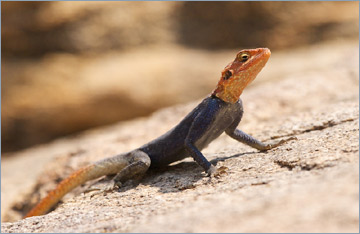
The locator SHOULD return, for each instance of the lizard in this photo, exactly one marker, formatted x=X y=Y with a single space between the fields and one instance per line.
x=219 y=112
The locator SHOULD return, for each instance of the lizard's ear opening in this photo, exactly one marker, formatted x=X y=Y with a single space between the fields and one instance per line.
x=227 y=74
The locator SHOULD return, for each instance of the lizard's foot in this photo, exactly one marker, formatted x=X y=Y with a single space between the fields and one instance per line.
x=271 y=146
x=113 y=185
x=216 y=172
x=211 y=171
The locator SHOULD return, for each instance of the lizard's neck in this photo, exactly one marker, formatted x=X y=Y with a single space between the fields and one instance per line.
x=230 y=94
x=221 y=100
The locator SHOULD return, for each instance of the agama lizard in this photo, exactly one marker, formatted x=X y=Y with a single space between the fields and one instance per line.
x=219 y=112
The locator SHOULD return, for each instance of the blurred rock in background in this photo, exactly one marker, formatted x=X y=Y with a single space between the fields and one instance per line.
x=70 y=66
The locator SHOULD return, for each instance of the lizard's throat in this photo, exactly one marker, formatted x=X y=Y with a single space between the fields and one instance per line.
x=231 y=90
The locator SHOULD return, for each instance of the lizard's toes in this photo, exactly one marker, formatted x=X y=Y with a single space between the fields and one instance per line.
x=105 y=189
x=217 y=172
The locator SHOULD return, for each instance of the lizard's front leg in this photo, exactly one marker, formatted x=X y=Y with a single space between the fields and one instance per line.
x=199 y=157
x=251 y=141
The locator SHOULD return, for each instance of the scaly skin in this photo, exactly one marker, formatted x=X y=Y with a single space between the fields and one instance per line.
x=220 y=112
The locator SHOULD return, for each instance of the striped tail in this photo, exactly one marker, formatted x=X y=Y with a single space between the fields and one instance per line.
x=65 y=186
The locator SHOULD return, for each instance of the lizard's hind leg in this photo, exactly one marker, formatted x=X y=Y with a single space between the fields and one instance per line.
x=139 y=164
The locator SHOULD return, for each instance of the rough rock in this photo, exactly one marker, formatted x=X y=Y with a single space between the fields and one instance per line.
x=306 y=185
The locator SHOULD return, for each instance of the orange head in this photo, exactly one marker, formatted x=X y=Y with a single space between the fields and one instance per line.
x=239 y=73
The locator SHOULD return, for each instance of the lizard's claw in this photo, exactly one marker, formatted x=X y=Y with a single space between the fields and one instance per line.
x=105 y=189
x=216 y=172
x=271 y=146
x=211 y=171
x=116 y=185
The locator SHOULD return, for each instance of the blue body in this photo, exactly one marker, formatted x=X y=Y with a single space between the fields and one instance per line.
x=205 y=123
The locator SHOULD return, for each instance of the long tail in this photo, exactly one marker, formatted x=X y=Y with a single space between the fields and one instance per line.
x=104 y=167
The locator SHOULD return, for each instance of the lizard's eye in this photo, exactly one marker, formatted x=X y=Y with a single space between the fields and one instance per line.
x=227 y=75
x=244 y=57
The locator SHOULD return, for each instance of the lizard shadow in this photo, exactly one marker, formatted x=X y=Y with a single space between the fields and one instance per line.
x=181 y=176
x=173 y=178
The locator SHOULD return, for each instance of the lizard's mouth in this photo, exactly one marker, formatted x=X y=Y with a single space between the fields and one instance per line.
x=243 y=73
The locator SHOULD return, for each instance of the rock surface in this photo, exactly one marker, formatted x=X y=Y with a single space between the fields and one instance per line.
x=306 y=185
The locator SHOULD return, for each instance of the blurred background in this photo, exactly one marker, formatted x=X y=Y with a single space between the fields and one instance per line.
x=71 y=66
